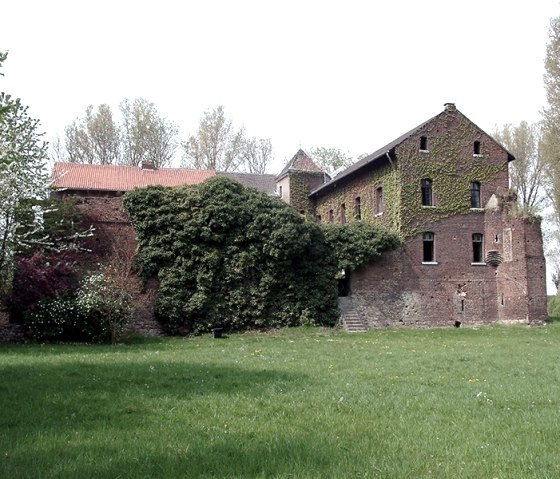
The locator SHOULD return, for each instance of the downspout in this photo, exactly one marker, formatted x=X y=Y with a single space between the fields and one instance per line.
x=397 y=214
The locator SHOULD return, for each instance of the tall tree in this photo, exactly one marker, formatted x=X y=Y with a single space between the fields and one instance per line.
x=95 y=138
x=142 y=135
x=257 y=155
x=146 y=135
x=331 y=159
x=22 y=175
x=217 y=144
x=527 y=171
x=551 y=145
x=551 y=117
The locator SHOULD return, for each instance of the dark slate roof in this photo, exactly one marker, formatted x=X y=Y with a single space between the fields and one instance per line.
x=300 y=162
x=382 y=153
x=265 y=183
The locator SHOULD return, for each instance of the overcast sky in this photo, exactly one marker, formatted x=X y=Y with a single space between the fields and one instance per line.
x=347 y=74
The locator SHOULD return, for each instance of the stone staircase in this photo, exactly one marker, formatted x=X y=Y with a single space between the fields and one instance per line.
x=352 y=321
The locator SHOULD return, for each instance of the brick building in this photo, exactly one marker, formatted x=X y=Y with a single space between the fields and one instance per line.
x=466 y=257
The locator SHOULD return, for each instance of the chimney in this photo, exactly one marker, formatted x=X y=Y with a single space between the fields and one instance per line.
x=450 y=107
x=147 y=165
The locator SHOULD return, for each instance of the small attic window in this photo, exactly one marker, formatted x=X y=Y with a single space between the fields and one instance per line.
x=423 y=143
x=476 y=148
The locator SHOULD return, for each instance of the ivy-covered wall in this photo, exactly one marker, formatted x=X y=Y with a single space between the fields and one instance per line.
x=450 y=162
x=300 y=184
x=388 y=177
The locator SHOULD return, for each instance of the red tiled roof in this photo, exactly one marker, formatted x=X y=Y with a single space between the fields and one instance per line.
x=78 y=176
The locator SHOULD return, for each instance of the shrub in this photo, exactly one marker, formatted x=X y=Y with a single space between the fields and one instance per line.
x=358 y=243
x=56 y=318
x=39 y=277
x=97 y=313
x=104 y=305
x=232 y=257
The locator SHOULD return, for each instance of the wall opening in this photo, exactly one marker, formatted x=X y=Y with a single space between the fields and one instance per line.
x=426 y=187
x=428 y=240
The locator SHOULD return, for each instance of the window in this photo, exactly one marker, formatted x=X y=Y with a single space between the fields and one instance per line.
x=343 y=213
x=428 y=254
x=358 y=208
x=476 y=148
x=331 y=216
x=475 y=194
x=478 y=256
x=426 y=185
x=379 y=200
x=318 y=218
x=280 y=191
x=423 y=143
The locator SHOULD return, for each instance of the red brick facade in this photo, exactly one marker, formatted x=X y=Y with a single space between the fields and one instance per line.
x=465 y=259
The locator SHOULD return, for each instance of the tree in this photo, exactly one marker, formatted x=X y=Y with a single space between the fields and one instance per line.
x=146 y=135
x=331 y=159
x=22 y=177
x=551 y=140
x=218 y=145
x=94 y=139
x=142 y=135
x=257 y=155
x=527 y=171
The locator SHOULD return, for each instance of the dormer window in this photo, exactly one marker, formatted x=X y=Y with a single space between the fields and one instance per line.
x=423 y=143
x=476 y=148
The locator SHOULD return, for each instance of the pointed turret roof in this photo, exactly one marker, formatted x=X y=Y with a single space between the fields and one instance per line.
x=300 y=162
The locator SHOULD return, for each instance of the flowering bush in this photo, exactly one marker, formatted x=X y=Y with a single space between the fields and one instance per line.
x=56 y=318
x=104 y=303
x=97 y=312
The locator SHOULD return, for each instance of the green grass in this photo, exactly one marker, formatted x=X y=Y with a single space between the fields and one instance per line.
x=302 y=403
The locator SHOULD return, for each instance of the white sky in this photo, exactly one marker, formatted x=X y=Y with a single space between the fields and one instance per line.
x=352 y=75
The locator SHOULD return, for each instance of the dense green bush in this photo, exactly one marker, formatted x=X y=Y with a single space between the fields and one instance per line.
x=232 y=257
x=357 y=244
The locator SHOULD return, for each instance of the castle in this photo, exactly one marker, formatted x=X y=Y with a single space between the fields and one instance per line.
x=467 y=258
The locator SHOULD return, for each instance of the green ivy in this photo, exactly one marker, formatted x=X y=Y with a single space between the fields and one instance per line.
x=358 y=243
x=227 y=256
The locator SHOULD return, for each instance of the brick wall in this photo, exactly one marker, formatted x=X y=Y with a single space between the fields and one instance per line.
x=401 y=290
x=114 y=242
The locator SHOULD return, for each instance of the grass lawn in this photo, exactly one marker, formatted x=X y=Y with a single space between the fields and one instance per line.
x=300 y=403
